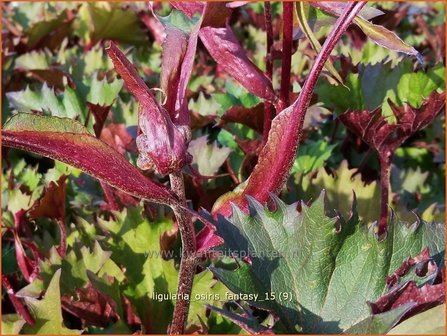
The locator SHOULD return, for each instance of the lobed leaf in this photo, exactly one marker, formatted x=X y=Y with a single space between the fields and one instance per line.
x=48 y=311
x=68 y=141
x=417 y=281
x=328 y=267
x=374 y=129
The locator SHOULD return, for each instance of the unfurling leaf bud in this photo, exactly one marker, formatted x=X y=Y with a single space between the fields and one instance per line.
x=162 y=145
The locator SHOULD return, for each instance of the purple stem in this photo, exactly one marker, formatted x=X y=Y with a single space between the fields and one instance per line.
x=286 y=54
x=263 y=182
x=268 y=107
x=189 y=258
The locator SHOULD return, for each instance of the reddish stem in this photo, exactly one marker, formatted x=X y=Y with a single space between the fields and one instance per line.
x=286 y=54
x=262 y=182
x=231 y=172
x=62 y=248
x=109 y=196
x=268 y=107
x=189 y=259
x=16 y=302
x=385 y=167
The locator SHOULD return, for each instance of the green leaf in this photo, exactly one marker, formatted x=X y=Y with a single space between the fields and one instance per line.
x=312 y=156
x=381 y=323
x=75 y=267
x=103 y=92
x=384 y=37
x=44 y=100
x=135 y=245
x=430 y=322
x=12 y=324
x=207 y=157
x=373 y=85
x=246 y=320
x=48 y=312
x=41 y=29
x=179 y=20
x=301 y=10
x=318 y=269
x=104 y=21
x=34 y=60
x=414 y=87
x=339 y=191
x=204 y=106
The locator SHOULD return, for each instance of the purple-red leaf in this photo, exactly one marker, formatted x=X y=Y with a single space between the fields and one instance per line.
x=27 y=266
x=117 y=137
x=181 y=116
x=224 y=47
x=100 y=113
x=174 y=49
x=68 y=141
x=179 y=49
x=52 y=205
x=206 y=239
x=374 y=129
x=189 y=8
x=213 y=13
x=162 y=145
x=276 y=158
x=21 y=309
x=404 y=288
x=91 y=306
x=252 y=117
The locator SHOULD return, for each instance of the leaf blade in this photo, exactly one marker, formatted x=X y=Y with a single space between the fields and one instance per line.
x=384 y=37
x=67 y=141
x=329 y=269
x=224 y=47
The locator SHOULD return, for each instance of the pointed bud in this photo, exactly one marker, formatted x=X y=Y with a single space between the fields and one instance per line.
x=162 y=145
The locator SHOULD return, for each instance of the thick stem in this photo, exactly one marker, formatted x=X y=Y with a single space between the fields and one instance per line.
x=189 y=260
x=385 y=167
x=269 y=33
x=264 y=181
x=268 y=107
x=186 y=278
x=286 y=54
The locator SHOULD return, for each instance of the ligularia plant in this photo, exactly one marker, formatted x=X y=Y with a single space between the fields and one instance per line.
x=329 y=263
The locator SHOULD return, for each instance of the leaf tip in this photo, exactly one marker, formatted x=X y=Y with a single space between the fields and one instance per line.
x=420 y=58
